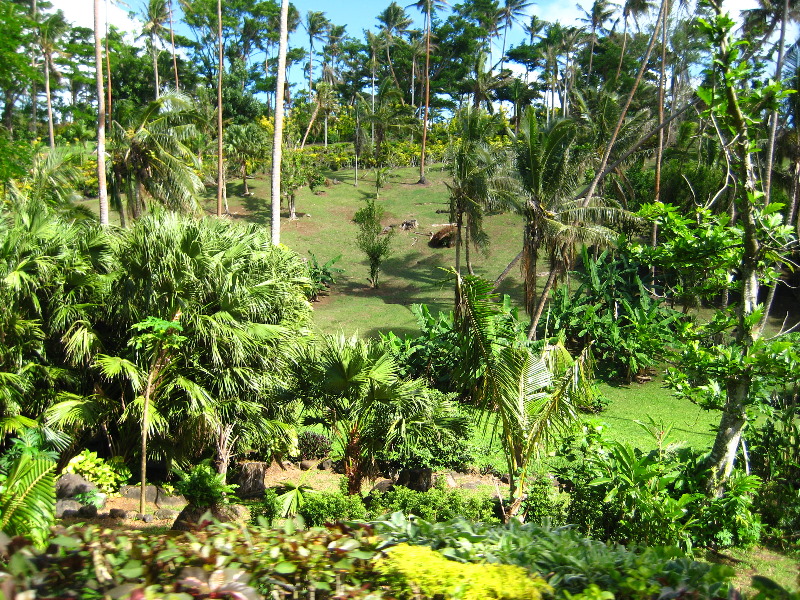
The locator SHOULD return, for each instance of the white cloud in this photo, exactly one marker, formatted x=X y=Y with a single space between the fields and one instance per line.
x=81 y=13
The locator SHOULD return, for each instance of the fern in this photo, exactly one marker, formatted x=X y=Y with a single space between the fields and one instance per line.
x=28 y=497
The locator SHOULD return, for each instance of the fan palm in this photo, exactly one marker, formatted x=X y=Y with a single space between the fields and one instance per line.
x=367 y=405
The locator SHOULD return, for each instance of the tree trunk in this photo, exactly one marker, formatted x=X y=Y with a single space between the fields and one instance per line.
x=542 y=301
x=102 y=186
x=610 y=146
x=459 y=223
x=47 y=59
x=155 y=70
x=467 y=259
x=220 y=66
x=310 y=125
x=174 y=55
x=507 y=270
x=422 y=179
x=622 y=52
x=277 y=138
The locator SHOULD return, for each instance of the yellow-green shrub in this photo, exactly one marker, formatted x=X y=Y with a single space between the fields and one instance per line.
x=418 y=571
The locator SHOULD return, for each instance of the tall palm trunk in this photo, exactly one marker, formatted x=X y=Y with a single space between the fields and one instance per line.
x=773 y=132
x=174 y=55
x=220 y=163
x=660 y=147
x=102 y=187
x=622 y=52
x=277 y=138
x=108 y=76
x=155 y=70
x=422 y=179
x=47 y=59
x=610 y=146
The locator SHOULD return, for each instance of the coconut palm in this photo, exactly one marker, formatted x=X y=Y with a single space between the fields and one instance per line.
x=631 y=9
x=102 y=186
x=481 y=176
x=427 y=6
x=550 y=168
x=50 y=34
x=316 y=25
x=511 y=12
x=533 y=407
x=277 y=138
x=394 y=21
x=156 y=16
x=150 y=155
x=596 y=17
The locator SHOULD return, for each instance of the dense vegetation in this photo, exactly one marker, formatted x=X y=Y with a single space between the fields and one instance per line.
x=652 y=170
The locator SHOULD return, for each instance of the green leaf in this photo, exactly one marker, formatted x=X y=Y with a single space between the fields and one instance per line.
x=285 y=568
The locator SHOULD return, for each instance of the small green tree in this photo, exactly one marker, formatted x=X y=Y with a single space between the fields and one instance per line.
x=372 y=239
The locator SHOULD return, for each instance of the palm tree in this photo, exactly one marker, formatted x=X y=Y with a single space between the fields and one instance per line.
x=427 y=6
x=277 y=139
x=596 y=17
x=533 y=407
x=316 y=24
x=102 y=186
x=51 y=30
x=365 y=402
x=394 y=21
x=555 y=221
x=196 y=317
x=511 y=12
x=631 y=8
x=157 y=14
x=481 y=175
x=220 y=70
x=150 y=153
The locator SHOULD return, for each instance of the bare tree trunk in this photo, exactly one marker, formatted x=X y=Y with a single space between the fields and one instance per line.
x=225 y=442
x=422 y=179
x=277 y=138
x=310 y=125
x=610 y=146
x=109 y=115
x=50 y=132
x=459 y=223
x=507 y=270
x=155 y=71
x=542 y=301
x=220 y=66
x=102 y=186
x=174 y=56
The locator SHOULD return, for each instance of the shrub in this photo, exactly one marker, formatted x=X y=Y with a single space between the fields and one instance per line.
x=419 y=572
x=325 y=507
x=203 y=486
x=108 y=476
x=370 y=238
x=313 y=445
x=268 y=510
x=434 y=505
x=544 y=502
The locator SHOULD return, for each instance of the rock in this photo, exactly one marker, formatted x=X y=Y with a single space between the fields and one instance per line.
x=450 y=481
x=147 y=518
x=409 y=224
x=89 y=511
x=251 y=480
x=165 y=499
x=67 y=508
x=420 y=480
x=382 y=486
x=120 y=513
x=307 y=465
x=70 y=485
x=133 y=491
x=198 y=517
x=469 y=485
x=504 y=478
x=162 y=514
x=325 y=465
